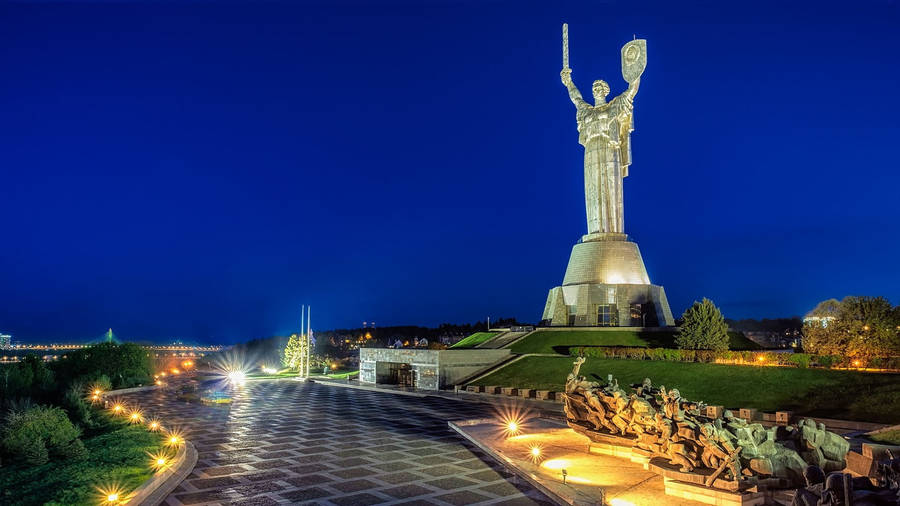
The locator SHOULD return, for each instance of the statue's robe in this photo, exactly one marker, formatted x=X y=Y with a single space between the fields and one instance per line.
x=605 y=131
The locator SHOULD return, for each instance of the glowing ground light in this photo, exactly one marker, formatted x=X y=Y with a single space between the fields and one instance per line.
x=512 y=427
x=535 y=453
x=136 y=417
x=174 y=438
x=118 y=408
x=112 y=495
x=856 y=363
x=761 y=358
x=153 y=425
x=159 y=461
x=97 y=391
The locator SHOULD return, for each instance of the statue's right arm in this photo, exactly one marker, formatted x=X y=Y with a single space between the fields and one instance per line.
x=574 y=94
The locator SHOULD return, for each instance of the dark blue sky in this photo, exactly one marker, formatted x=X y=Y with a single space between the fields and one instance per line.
x=199 y=170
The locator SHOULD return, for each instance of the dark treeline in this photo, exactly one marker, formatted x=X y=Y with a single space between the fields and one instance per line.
x=766 y=324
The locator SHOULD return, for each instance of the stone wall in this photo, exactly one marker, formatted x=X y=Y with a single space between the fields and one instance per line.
x=433 y=369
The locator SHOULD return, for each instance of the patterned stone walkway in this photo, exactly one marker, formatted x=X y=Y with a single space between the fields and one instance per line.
x=286 y=442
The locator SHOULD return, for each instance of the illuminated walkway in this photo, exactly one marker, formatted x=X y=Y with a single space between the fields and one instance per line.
x=285 y=442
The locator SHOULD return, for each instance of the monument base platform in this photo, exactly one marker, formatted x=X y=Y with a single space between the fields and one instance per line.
x=608 y=305
x=606 y=284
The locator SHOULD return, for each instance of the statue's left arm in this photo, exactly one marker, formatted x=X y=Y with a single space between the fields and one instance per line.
x=632 y=90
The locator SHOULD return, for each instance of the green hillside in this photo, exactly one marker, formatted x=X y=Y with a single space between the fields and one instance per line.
x=561 y=341
x=474 y=340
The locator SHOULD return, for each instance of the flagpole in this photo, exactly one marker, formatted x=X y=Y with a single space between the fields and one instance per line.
x=308 y=336
x=302 y=326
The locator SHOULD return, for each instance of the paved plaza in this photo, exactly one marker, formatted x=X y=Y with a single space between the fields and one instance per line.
x=287 y=442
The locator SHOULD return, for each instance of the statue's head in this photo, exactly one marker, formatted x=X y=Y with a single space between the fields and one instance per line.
x=601 y=90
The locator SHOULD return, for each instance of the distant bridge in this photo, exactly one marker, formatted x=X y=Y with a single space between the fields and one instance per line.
x=50 y=352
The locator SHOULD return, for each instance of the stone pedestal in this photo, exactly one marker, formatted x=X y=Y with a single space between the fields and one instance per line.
x=606 y=284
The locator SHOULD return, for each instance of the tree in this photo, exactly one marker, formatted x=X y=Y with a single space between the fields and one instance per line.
x=126 y=364
x=858 y=326
x=703 y=328
x=293 y=352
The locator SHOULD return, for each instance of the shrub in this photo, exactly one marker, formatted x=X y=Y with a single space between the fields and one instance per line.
x=78 y=409
x=826 y=361
x=703 y=328
x=38 y=432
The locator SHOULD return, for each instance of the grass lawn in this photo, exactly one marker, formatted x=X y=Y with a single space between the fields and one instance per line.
x=550 y=341
x=339 y=374
x=890 y=437
x=280 y=374
x=474 y=340
x=847 y=395
x=116 y=457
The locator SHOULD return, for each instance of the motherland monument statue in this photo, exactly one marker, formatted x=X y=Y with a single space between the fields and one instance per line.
x=604 y=129
x=606 y=283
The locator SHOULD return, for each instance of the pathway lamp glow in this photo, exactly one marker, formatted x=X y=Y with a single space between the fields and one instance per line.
x=237 y=377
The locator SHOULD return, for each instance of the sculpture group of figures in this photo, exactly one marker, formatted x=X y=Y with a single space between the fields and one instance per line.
x=663 y=425
x=841 y=489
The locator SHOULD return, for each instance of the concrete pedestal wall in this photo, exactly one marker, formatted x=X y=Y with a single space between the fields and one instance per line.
x=432 y=369
x=606 y=272
x=606 y=260
x=579 y=305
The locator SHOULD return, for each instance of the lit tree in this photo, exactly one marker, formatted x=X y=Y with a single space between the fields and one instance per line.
x=861 y=327
x=704 y=328
x=293 y=352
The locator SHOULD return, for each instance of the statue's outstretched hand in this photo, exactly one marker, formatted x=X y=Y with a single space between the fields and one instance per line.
x=566 y=76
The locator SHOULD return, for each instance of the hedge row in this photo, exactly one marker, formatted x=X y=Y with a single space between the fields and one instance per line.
x=801 y=360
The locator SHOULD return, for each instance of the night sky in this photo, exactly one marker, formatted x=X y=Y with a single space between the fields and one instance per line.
x=199 y=170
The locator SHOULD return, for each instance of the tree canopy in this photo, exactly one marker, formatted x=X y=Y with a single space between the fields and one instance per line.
x=857 y=326
x=703 y=328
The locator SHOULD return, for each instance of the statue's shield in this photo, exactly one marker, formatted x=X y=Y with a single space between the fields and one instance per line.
x=634 y=59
